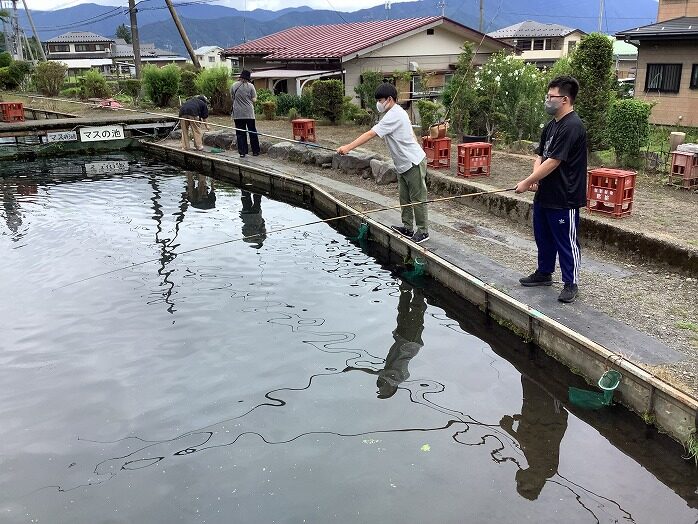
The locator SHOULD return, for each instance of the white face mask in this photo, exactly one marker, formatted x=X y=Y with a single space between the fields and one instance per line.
x=380 y=107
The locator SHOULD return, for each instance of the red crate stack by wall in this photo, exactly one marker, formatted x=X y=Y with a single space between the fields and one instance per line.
x=611 y=191
x=11 y=112
x=438 y=151
x=684 y=169
x=304 y=129
x=474 y=159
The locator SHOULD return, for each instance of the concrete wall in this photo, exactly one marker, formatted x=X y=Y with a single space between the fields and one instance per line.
x=669 y=106
x=669 y=9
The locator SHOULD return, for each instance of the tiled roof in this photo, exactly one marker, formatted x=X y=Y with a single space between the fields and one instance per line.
x=684 y=27
x=78 y=37
x=328 y=41
x=531 y=29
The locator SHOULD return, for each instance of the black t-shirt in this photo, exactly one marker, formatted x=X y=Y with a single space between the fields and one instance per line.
x=194 y=107
x=564 y=140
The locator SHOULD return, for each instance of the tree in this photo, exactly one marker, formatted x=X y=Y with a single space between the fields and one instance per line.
x=366 y=90
x=328 y=98
x=161 y=84
x=215 y=83
x=592 y=66
x=49 y=77
x=459 y=95
x=123 y=32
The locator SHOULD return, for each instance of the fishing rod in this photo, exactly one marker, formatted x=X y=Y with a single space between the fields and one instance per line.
x=296 y=226
x=95 y=105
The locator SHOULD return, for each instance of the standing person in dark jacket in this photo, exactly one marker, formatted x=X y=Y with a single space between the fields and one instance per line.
x=244 y=96
x=559 y=179
x=194 y=109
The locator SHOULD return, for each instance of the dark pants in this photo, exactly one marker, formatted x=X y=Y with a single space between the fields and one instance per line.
x=555 y=231
x=243 y=124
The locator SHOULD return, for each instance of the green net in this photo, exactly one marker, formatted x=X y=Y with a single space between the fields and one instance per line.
x=596 y=399
x=362 y=235
x=418 y=270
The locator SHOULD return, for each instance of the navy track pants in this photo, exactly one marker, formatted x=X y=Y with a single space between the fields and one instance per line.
x=555 y=231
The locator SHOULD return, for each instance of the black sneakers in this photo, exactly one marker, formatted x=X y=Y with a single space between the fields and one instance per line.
x=569 y=293
x=403 y=230
x=537 y=279
x=420 y=237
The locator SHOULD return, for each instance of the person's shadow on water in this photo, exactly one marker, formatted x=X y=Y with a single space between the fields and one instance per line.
x=407 y=341
x=541 y=426
x=198 y=193
x=253 y=228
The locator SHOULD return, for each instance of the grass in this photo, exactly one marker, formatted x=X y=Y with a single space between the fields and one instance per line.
x=691 y=447
x=691 y=326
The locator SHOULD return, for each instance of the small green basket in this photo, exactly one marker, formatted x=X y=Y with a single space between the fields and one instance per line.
x=583 y=398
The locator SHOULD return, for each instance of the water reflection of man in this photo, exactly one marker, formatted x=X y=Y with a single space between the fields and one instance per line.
x=253 y=227
x=408 y=340
x=541 y=426
x=198 y=192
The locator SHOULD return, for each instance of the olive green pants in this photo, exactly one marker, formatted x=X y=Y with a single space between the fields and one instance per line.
x=412 y=187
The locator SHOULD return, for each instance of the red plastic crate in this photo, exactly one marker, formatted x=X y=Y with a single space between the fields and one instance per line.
x=438 y=151
x=684 y=169
x=11 y=112
x=611 y=191
x=304 y=129
x=474 y=159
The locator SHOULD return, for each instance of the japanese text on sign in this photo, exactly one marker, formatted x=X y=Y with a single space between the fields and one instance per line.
x=101 y=168
x=93 y=134
x=603 y=194
x=61 y=136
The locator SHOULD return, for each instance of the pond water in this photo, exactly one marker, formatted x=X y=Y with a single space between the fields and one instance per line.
x=286 y=378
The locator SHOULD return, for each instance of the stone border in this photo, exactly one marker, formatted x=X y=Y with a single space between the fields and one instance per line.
x=672 y=411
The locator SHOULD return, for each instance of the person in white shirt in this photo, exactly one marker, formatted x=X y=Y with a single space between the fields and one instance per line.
x=409 y=159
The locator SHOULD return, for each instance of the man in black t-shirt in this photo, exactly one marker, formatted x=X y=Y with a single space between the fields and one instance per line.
x=559 y=179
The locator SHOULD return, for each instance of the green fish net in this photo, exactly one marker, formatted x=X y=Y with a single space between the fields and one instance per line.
x=596 y=399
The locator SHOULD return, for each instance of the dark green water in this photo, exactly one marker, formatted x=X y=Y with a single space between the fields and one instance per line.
x=289 y=378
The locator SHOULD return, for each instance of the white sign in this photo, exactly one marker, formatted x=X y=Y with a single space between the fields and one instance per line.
x=93 y=134
x=104 y=168
x=62 y=136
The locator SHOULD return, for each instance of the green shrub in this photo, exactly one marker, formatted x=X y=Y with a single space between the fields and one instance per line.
x=306 y=108
x=629 y=128
x=430 y=113
x=70 y=92
x=161 y=84
x=12 y=76
x=130 y=87
x=263 y=95
x=328 y=99
x=269 y=109
x=5 y=59
x=363 y=118
x=349 y=109
x=284 y=102
x=366 y=91
x=292 y=113
x=215 y=84
x=592 y=66
x=93 y=85
x=459 y=95
x=49 y=77
x=187 y=87
x=113 y=87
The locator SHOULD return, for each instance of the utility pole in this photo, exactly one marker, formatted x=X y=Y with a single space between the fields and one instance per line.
x=442 y=6
x=29 y=47
x=601 y=9
x=482 y=15
x=135 y=42
x=17 y=52
x=183 y=34
x=36 y=35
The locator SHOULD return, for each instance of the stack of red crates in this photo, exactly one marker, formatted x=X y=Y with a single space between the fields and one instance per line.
x=304 y=129
x=11 y=112
x=474 y=159
x=611 y=191
x=684 y=169
x=438 y=151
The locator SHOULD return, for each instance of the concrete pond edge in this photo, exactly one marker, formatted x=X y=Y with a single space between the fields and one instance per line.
x=668 y=408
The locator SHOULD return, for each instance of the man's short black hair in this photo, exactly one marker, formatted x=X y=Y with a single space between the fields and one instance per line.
x=566 y=85
x=386 y=90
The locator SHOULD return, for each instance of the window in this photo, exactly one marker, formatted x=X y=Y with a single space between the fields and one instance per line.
x=694 y=77
x=100 y=47
x=538 y=44
x=571 y=46
x=523 y=45
x=211 y=59
x=59 y=48
x=663 y=78
x=430 y=31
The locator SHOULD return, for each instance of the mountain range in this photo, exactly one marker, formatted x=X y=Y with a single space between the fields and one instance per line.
x=224 y=26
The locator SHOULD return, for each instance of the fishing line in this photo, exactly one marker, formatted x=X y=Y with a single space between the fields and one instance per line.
x=287 y=228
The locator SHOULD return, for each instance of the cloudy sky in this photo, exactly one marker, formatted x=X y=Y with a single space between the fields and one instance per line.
x=341 y=5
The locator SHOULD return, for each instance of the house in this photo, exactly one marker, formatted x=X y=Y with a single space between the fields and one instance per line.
x=667 y=62
x=80 y=51
x=625 y=59
x=538 y=43
x=288 y=60
x=210 y=56
x=124 y=58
